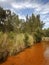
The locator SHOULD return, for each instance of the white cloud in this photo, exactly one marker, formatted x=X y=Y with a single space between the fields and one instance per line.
x=2 y=0
x=46 y=25
x=40 y=8
x=22 y=17
x=24 y=5
x=44 y=8
x=46 y=19
x=16 y=5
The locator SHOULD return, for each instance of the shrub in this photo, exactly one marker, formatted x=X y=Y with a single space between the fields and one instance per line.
x=11 y=40
x=3 y=56
x=37 y=35
x=11 y=35
x=1 y=38
x=26 y=40
x=20 y=41
x=17 y=44
x=30 y=40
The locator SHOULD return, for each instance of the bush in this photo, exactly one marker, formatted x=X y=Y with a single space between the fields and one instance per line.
x=37 y=35
x=11 y=35
x=28 y=40
x=11 y=40
x=18 y=45
x=1 y=38
x=3 y=56
x=20 y=42
x=15 y=43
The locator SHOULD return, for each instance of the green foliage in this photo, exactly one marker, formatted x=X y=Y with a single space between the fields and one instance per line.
x=1 y=39
x=26 y=40
x=2 y=13
x=30 y=40
x=38 y=35
x=11 y=35
x=11 y=22
x=19 y=41
x=46 y=32
x=17 y=33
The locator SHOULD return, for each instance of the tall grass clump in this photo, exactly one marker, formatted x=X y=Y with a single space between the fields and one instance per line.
x=20 y=42
x=28 y=40
x=11 y=40
x=3 y=49
x=1 y=38
x=14 y=42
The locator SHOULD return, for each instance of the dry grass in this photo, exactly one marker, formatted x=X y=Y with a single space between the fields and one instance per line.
x=14 y=42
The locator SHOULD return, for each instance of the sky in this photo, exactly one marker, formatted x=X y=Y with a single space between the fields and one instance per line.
x=24 y=7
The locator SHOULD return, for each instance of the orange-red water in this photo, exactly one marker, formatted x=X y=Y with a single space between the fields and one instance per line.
x=36 y=55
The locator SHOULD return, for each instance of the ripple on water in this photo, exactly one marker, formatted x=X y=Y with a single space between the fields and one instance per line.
x=46 y=53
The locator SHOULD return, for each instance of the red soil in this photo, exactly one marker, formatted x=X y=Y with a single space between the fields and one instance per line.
x=30 y=56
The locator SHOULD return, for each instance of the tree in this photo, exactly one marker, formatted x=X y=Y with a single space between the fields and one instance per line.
x=46 y=32
x=2 y=18
x=38 y=35
x=5 y=15
x=16 y=22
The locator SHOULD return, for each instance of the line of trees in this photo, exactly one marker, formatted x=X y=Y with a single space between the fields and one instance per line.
x=17 y=34
x=33 y=25
x=11 y=22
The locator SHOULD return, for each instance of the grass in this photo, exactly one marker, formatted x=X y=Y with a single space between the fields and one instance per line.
x=13 y=42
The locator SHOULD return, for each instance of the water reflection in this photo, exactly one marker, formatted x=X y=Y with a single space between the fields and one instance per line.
x=46 y=53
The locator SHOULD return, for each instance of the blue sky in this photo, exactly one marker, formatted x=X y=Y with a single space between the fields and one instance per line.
x=24 y=7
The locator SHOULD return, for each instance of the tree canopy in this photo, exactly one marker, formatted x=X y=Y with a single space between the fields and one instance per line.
x=11 y=22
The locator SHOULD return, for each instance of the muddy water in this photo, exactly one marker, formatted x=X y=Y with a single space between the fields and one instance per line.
x=36 y=55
